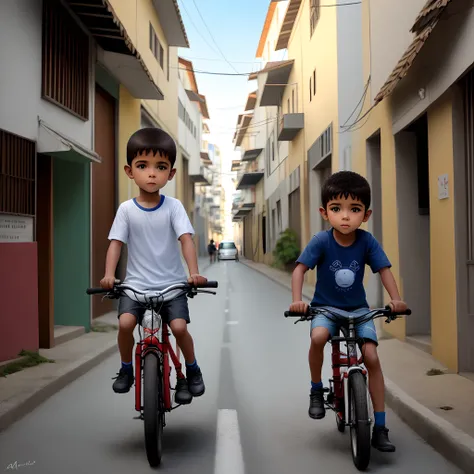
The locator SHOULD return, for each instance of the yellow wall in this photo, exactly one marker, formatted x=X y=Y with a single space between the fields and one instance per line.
x=128 y=123
x=442 y=245
x=316 y=52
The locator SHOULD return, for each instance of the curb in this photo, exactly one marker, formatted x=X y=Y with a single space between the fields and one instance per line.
x=70 y=373
x=452 y=443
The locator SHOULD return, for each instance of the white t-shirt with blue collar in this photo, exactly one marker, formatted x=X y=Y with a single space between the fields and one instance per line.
x=151 y=235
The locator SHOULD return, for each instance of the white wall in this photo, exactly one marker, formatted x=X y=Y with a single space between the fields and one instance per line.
x=390 y=23
x=20 y=77
x=190 y=144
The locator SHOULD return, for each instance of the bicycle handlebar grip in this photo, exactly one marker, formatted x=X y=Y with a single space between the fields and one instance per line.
x=209 y=284
x=289 y=314
x=96 y=291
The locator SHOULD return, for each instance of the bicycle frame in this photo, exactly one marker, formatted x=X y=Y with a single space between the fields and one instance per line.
x=163 y=348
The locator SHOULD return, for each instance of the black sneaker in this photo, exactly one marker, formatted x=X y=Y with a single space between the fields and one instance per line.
x=123 y=381
x=316 y=404
x=380 y=440
x=182 y=395
x=195 y=382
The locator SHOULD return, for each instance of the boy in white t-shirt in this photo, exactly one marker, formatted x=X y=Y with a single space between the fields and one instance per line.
x=151 y=225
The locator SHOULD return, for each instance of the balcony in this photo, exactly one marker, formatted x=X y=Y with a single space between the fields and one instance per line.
x=202 y=176
x=243 y=210
x=249 y=179
x=251 y=155
x=289 y=126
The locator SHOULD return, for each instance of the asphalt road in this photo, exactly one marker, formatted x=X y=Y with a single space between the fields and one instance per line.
x=252 y=419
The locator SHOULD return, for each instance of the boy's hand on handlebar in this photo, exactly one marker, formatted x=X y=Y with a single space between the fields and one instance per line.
x=299 y=307
x=108 y=282
x=197 y=280
x=398 y=306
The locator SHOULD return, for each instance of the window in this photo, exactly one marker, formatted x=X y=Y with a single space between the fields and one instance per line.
x=310 y=91
x=227 y=246
x=156 y=47
x=288 y=105
x=17 y=174
x=314 y=14
x=279 y=216
x=314 y=82
x=65 y=61
x=293 y=101
x=273 y=147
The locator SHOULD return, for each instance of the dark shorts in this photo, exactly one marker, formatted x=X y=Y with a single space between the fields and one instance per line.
x=174 y=309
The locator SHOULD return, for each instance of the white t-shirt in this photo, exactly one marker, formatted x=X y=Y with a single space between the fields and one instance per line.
x=154 y=258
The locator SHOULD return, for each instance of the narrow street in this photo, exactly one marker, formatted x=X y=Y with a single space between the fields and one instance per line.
x=254 y=361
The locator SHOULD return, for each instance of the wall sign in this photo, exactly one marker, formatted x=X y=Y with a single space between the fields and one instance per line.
x=16 y=228
x=443 y=187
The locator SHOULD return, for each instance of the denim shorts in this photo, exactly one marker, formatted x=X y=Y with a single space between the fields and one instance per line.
x=172 y=309
x=365 y=331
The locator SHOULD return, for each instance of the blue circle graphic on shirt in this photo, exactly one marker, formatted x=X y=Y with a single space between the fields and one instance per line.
x=345 y=278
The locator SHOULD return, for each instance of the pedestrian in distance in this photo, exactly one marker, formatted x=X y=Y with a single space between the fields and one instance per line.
x=211 y=250
x=151 y=225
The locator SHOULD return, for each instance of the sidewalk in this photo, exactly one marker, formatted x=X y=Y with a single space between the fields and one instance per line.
x=439 y=408
x=23 y=391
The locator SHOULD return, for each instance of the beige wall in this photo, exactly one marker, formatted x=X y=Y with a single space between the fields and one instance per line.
x=443 y=256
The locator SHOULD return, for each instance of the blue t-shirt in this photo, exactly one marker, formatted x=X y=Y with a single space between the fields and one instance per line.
x=340 y=274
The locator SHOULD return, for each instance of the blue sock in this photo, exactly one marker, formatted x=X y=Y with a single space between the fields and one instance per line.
x=316 y=386
x=379 y=418
x=127 y=366
x=193 y=367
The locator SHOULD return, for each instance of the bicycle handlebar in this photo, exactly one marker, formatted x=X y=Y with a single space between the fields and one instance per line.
x=387 y=311
x=179 y=286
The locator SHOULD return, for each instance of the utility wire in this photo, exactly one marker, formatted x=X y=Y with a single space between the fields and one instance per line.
x=196 y=28
x=212 y=37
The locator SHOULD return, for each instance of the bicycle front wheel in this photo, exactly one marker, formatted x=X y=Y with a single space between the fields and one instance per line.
x=152 y=409
x=359 y=421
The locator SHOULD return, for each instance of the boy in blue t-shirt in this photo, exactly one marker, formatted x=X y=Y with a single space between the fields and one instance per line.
x=341 y=254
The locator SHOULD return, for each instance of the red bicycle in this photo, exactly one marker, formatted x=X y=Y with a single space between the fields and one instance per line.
x=152 y=363
x=348 y=395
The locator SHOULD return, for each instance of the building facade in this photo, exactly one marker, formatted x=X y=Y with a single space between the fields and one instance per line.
x=416 y=145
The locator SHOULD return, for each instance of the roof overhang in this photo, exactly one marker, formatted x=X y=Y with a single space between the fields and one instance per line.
x=242 y=126
x=53 y=143
x=192 y=96
x=266 y=29
x=203 y=106
x=275 y=84
x=117 y=52
x=251 y=155
x=423 y=27
x=251 y=101
x=288 y=24
x=205 y=158
x=250 y=179
x=171 y=22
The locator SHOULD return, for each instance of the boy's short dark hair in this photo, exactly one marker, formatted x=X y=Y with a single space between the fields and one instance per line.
x=346 y=183
x=151 y=139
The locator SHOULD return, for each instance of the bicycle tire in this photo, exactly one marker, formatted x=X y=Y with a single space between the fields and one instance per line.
x=359 y=421
x=152 y=409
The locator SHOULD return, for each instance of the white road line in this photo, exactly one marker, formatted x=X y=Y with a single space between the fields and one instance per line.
x=229 y=457
x=232 y=323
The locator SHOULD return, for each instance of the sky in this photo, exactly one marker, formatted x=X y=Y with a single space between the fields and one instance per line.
x=236 y=27
x=229 y=46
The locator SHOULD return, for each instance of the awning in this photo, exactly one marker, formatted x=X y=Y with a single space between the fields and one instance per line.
x=423 y=27
x=205 y=158
x=51 y=142
x=236 y=164
x=251 y=101
x=278 y=74
x=250 y=155
x=193 y=96
x=117 y=52
x=288 y=24
x=171 y=22
x=250 y=179
x=242 y=128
